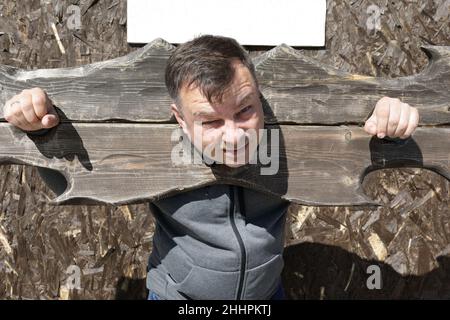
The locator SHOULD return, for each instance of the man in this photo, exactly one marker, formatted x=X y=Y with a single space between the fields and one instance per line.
x=220 y=241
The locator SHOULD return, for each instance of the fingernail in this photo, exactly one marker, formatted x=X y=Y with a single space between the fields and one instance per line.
x=381 y=135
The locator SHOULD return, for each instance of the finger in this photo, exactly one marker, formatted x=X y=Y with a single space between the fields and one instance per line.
x=12 y=118
x=404 y=120
x=51 y=119
x=40 y=102
x=21 y=122
x=26 y=106
x=371 y=125
x=382 y=113
x=413 y=123
x=8 y=108
x=394 y=117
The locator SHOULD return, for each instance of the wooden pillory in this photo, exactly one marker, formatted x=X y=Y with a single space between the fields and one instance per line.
x=114 y=142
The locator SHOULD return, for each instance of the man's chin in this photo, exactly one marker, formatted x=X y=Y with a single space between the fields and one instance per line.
x=234 y=161
x=234 y=164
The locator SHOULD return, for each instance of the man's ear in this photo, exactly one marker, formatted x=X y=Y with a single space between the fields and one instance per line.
x=176 y=111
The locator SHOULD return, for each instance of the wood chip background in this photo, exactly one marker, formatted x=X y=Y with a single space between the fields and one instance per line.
x=328 y=248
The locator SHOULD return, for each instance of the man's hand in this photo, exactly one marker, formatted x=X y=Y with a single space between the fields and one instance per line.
x=392 y=118
x=31 y=110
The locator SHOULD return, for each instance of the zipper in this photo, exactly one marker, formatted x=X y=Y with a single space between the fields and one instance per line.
x=232 y=211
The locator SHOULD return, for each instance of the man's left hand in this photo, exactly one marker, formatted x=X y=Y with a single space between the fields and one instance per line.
x=392 y=118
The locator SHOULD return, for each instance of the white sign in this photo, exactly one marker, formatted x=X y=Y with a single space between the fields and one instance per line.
x=250 y=22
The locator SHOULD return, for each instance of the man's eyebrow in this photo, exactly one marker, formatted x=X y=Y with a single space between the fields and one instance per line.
x=244 y=99
x=203 y=113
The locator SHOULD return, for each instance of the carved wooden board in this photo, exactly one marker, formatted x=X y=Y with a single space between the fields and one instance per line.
x=114 y=143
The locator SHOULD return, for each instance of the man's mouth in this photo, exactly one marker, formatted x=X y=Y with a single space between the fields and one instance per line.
x=235 y=151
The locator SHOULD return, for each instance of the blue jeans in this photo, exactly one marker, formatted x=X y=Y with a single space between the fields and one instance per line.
x=278 y=295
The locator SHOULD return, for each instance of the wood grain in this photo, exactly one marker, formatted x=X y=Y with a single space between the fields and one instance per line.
x=296 y=88
x=120 y=163
x=126 y=163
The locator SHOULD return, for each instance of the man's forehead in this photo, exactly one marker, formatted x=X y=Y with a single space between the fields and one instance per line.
x=240 y=96
x=241 y=85
x=202 y=106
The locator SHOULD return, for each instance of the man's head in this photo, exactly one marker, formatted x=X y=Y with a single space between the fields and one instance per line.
x=215 y=94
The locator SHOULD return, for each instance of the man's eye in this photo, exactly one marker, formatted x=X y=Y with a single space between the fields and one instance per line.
x=210 y=123
x=245 y=109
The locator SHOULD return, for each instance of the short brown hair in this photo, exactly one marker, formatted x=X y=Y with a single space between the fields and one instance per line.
x=205 y=62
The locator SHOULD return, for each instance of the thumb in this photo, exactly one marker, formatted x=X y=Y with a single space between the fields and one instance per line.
x=50 y=120
x=371 y=125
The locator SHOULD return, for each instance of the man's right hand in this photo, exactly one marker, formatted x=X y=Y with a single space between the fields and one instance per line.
x=31 y=110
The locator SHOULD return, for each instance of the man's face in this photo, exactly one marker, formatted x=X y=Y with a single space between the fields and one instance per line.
x=224 y=125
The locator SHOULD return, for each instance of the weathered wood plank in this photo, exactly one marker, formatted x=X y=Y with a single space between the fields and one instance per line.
x=301 y=90
x=125 y=163
x=296 y=89
x=127 y=88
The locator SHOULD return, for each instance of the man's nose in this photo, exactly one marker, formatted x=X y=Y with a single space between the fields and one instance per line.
x=233 y=137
